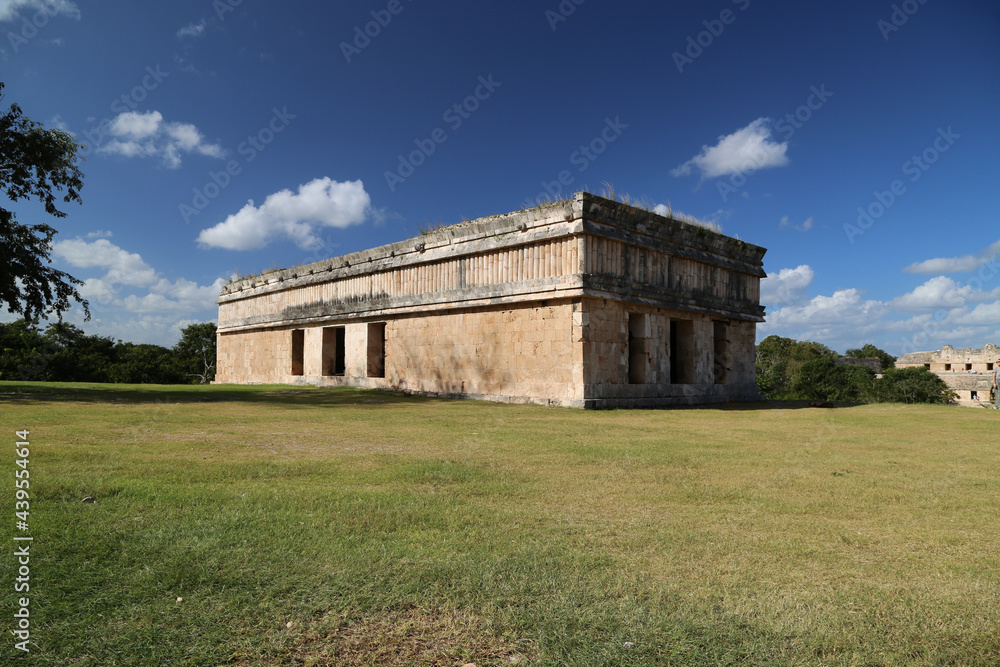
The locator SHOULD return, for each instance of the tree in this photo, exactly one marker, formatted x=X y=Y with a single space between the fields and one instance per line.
x=74 y=356
x=35 y=163
x=145 y=364
x=195 y=351
x=780 y=361
x=21 y=351
x=914 y=384
x=823 y=379
x=869 y=351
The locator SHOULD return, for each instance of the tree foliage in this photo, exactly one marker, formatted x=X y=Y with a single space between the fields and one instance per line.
x=780 y=361
x=35 y=163
x=145 y=364
x=788 y=369
x=915 y=384
x=869 y=351
x=195 y=352
x=64 y=353
x=824 y=380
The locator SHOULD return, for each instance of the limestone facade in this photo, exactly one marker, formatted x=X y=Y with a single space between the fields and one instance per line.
x=584 y=303
x=967 y=371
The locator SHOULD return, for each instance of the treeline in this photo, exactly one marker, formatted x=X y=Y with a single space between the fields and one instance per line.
x=62 y=352
x=795 y=370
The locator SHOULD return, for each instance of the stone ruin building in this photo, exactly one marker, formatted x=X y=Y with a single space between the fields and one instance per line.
x=968 y=371
x=586 y=303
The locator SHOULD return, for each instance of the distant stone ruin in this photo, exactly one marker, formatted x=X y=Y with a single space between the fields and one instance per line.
x=585 y=303
x=968 y=371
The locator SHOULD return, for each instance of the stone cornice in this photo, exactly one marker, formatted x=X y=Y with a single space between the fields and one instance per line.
x=584 y=214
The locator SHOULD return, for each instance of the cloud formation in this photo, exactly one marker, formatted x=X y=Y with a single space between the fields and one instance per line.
x=10 y=9
x=963 y=264
x=804 y=227
x=146 y=134
x=942 y=292
x=787 y=286
x=843 y=319
x=192 y=30
x=940 y=311
x=749 y=148
x=294 y=216
x=123 y=269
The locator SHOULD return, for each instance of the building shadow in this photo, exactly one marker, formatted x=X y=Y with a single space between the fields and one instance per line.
x=293 y=395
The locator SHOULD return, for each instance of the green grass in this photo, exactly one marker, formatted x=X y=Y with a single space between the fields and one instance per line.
x=307 y=526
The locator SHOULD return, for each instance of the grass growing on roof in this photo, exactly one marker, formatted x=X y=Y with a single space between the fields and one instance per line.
x=351 y=527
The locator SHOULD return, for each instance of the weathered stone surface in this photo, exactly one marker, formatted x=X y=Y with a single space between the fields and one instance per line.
x=575 y=304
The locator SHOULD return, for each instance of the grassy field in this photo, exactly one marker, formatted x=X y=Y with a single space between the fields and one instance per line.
x=284 y=526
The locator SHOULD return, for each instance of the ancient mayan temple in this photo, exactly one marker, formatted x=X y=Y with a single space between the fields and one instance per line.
x=585 y=303
x=967 y=371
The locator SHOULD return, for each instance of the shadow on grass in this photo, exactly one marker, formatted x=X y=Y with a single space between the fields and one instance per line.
x=153 y=394
x=773 y=405
x=289 y=395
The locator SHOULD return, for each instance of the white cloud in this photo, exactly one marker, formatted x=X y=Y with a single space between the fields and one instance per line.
x=146 y=134
x=938 y=312
x=124 y=268
x=131 y=301
x=964 y=264
x=97 y=290
x=841 y=320
x=186 y=292
x=152 y=303
x=749 y=148
x=787 y=286
x=148 y=327
x=59 y=124
x=843 y=305
x=192 y=30
x=294 y=216
x=804 y=227
x=128 y=269
x=136 y=126
x=985 y=314
x=10 y=9
x=942 y=292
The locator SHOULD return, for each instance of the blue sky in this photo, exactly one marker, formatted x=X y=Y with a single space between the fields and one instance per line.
x=857 y=141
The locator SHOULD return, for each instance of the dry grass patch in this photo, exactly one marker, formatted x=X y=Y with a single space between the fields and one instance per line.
x=395 y=638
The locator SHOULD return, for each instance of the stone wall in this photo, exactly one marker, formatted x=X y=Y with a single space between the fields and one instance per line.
x=526 y=353
x=631 y=358
x=260 y=357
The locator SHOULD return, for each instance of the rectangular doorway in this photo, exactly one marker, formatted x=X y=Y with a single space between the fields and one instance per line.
x=334 y=351
x=298 y=351
x=681 y=351
x=638 y=360
x=376 y=350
